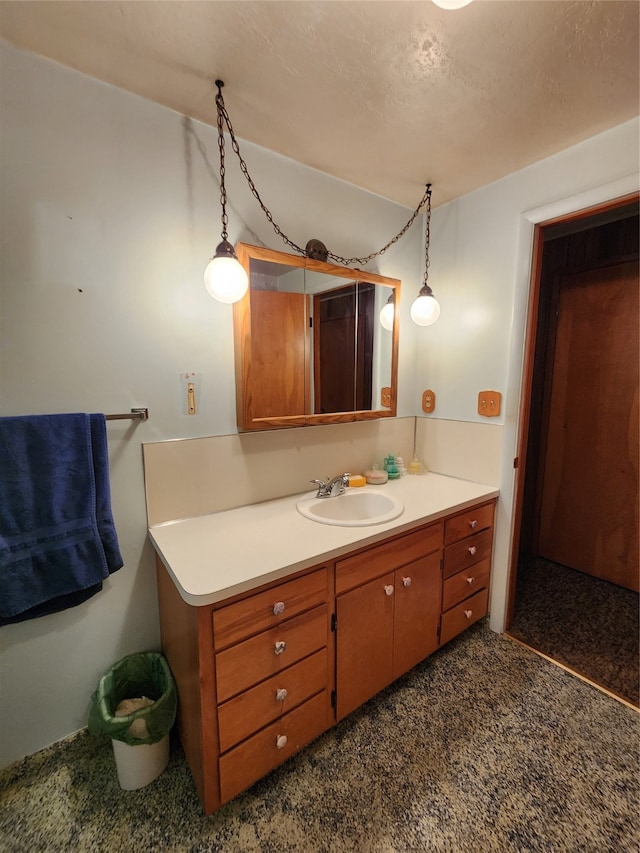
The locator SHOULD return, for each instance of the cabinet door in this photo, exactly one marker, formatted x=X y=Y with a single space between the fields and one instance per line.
x=418 y=595
x=364 y=643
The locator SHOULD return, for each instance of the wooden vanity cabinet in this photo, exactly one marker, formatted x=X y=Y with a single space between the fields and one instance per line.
x=262 y=674
x=387 y=613
x=468 y=539
x=254 y=678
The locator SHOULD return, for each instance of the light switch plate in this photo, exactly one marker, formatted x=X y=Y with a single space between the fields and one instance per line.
x=385 y=397
x=489 y=403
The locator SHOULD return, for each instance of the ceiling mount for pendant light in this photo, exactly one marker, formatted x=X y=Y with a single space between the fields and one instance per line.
x=225 y=278
x=426 y=309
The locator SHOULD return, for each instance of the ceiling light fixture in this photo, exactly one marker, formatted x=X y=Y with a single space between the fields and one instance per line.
x=426 y=309
x=451 y=4
x=226 y=279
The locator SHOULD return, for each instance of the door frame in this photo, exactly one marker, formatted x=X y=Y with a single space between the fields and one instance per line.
x=607 y=196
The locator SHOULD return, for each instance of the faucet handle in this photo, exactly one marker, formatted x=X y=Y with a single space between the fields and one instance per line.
x=317 y=482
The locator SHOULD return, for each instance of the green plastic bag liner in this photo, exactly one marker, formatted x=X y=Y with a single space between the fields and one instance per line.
x=143 y=674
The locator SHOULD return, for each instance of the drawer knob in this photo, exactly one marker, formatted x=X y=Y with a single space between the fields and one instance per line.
x=388 y=589
x=468 y=613
x=473 y=524
x=470 y=581
x=278 y=608
x=279 y=647
x=406 y=581
x=281 y=694
x=281 y=741
x=472 y=550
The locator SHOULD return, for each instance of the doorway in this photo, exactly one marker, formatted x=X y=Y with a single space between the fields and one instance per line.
x=574 y=578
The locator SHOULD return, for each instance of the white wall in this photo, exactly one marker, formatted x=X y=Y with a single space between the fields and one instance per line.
x=109 y=215
x=480 y=270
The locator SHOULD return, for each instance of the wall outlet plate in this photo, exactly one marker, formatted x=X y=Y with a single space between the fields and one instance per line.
x=428 y=401
x=489 y=403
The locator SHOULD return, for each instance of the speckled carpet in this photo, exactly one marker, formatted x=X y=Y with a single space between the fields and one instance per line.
x=483 y=747
x=588 y=624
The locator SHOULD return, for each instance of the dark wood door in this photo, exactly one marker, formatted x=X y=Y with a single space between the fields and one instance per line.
x=588 y=504
x=343 y=349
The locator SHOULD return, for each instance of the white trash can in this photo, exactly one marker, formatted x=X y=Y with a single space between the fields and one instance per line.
x=139 y=765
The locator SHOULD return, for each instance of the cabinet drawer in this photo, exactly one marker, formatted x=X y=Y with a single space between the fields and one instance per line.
x=266 y=609
x=357 y=570
x=464 y=614
x=253 y=660
x=465 y=583
x=467 y=552
x=467 y=523
x=254 y=758
x=255 y=708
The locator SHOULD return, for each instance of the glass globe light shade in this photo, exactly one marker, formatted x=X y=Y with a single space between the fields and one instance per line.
x=225 y=279
x=386 y=316
x=425 y=310
x=451 y=4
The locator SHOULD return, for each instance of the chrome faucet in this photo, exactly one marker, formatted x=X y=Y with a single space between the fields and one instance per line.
x=332 y=488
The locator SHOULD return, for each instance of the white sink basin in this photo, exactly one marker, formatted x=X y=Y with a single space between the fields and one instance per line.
x=355 y=508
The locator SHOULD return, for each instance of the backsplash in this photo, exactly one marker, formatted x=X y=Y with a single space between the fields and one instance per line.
x=191 y=477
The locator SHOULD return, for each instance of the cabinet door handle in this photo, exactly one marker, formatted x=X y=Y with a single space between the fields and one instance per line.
x=406 y=581
x=473 y=524
x=468 y=613
x=470 y=581
x=281 y=694
x=278 y=608
x=281 y=741
x=472 y=550
x=388 y=589
x=279 y=647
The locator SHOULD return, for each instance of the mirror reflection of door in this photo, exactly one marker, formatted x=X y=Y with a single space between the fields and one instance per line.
x=343 y=348
x=280 y=351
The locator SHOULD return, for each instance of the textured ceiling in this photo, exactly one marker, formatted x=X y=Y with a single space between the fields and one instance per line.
x=385 y=95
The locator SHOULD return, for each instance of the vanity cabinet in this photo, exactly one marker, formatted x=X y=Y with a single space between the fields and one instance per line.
x=387 y=613
x=263 y=673
x=468 y=538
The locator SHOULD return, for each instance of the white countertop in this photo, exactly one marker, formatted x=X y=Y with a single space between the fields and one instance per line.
x=216 y=556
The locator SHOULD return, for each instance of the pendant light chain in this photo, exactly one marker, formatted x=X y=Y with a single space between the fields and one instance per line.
x=223 y=191
x=427 y=236
x=223 y=115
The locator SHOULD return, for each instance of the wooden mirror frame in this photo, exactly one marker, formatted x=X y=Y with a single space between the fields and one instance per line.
x=247 y=418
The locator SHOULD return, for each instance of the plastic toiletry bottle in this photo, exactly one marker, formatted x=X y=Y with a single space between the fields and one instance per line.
x=390 y=467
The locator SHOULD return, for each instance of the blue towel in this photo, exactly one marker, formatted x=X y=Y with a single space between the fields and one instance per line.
x=57 y=537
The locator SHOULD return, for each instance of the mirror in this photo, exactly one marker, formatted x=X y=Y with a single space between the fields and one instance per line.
x=309 y=345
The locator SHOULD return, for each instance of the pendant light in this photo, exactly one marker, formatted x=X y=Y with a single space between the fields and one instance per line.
x=426 y=309
x=225 y=278
x=388 y=312
x=451 y=4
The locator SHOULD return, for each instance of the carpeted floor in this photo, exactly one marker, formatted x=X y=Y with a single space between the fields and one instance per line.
x=588 y=624
x=483 y=747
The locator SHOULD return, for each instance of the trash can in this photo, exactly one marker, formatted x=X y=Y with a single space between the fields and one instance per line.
x=135 y=705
